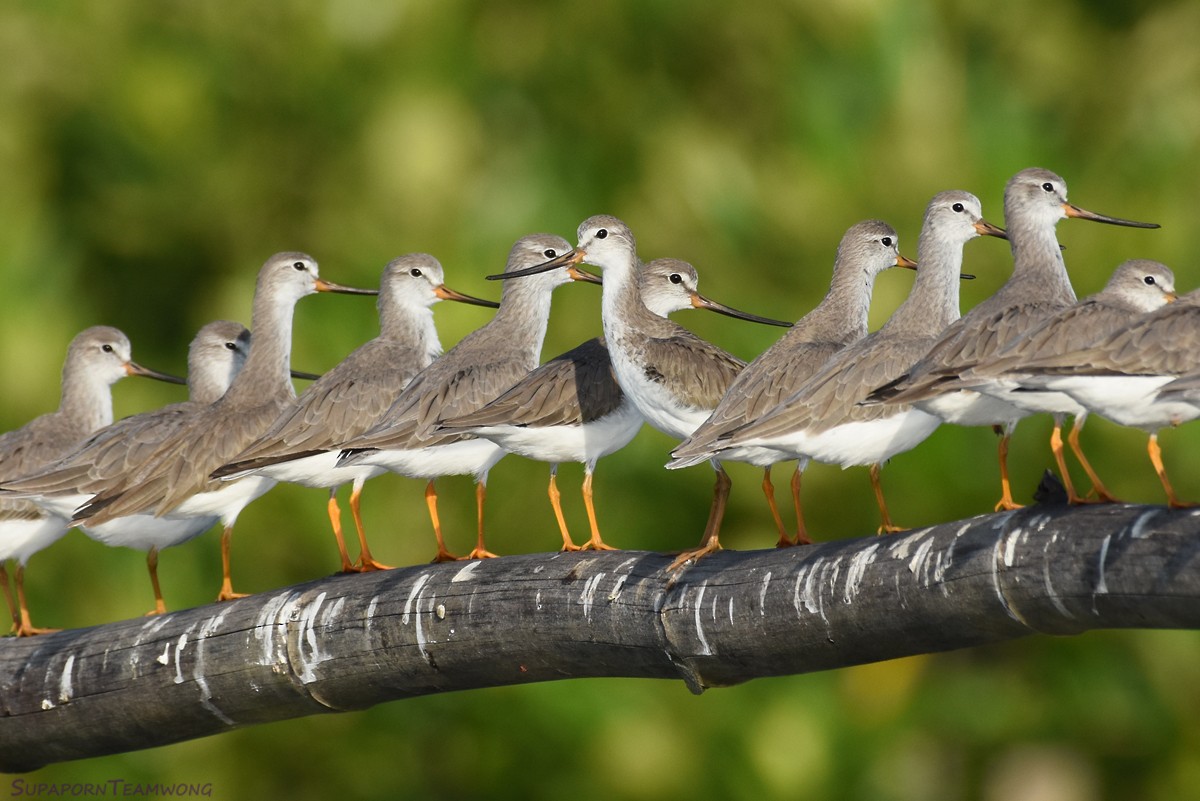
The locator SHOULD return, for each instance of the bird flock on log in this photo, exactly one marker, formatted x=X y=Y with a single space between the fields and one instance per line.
x=827 y=390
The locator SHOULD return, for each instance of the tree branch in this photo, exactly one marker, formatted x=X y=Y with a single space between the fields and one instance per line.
x=349 y=642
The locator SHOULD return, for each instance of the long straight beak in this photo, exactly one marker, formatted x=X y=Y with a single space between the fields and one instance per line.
x=571 y=257
x=305 y=376
x=905 y=262
x=701 y=302
x=133 y=368
x=1072 y=210
x=446 y=293
x=321 y=285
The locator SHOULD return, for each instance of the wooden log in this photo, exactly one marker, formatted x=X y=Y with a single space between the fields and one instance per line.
x=351 y=641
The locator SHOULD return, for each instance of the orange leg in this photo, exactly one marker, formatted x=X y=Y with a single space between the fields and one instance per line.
x=710 y=542
x=887 y=527
x=366 y=562
x=595 y=543
x=769 y=490
x=1156 y=460
x=1056 y=446
x=431 y=501
x=1006 y=502
x=1102 y=493
x=25 y=628
x=556 y=504
x=160 y=606
x=335 y=520
x=802 y=537
x=480 y=552
x=8 y=597
x=227 y=593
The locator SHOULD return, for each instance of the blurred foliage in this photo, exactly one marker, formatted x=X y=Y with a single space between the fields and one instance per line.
x=154 y=154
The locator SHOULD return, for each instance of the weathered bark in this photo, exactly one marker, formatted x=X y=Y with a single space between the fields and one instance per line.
x=348 y=642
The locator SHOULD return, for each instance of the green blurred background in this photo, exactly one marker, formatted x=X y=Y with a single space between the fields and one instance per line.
x=154 y=154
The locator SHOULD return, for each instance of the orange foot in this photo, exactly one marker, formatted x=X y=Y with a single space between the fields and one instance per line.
x=368 y=565
x=596 y=545
x=478 y=553
x=694 y=555
x=27 y=630
x=227 y=593
x=1008 y=505
x=890 y=529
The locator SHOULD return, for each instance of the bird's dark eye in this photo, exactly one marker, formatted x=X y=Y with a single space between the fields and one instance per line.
x=415 y=272
x=1049 y=187
x=231 y=346
x=602 y=233
x=675 y=278
x=549 y=253
x=299 y=265
x=1149 y=279
x=106 y=348
x=887 y=241
x=957 y=207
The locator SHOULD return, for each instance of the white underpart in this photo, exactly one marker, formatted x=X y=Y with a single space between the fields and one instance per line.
x=1126 y=400
x=465 y=457
x=568 y=443
x=970 y=408
x=318 y=471
x=859 y=442
x=23 y=538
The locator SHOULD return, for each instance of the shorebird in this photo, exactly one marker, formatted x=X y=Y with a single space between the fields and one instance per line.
x=97 y=358
x=1034 y=201
x=867 y=249
x=823 y=420
x=1137 y=286
x=1129 y=376
x=484 y=364
x=571 y=409
x=174 y=482
x=673 y=377
x=301 y=446
x=215 y=356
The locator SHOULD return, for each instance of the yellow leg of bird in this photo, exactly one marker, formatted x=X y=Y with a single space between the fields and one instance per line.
x=480 y=552
x=1006 y=502
x=556 y=504
x=1102 y=493
x=227 y=593
x=802 y=537
x=8 y=597
x=710 y=542
x=1056 y=447
x=769 y=491
x=24 y=627
x=888 y=527
x=335 y=520
x=160 y=606
x=595 y=543
x=1156 y=460
x=366 y=562
x=431 y=501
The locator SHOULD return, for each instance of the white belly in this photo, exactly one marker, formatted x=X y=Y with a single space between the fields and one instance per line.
x=872 y=441
x=1126 y=400
x=656 y=402
x=969 y=408
x=465 y=457
x=1030 y=400
x=227 y=501
x=22 y=538
x=318 y=471
x=145 y=531
x=569 y=443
